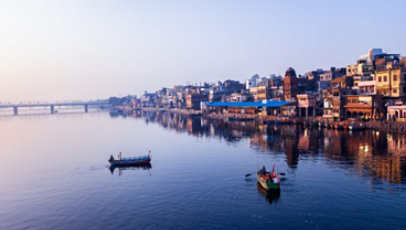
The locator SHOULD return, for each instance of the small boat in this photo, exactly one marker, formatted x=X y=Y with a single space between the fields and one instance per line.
x=131 y=161
x=268 y=180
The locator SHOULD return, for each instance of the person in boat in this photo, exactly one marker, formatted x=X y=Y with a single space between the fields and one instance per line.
x=275 y=179
x=111 y=158
x=263 y=170
x=119 y=156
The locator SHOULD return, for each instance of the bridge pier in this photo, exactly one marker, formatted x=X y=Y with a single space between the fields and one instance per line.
x=52 y=109
x=15 y=109
x=86 y=108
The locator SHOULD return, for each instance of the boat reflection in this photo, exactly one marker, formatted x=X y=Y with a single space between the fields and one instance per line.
x=272 y=196
x=123 y=168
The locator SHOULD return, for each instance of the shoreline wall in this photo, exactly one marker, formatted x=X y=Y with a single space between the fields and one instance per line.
x=379 y=125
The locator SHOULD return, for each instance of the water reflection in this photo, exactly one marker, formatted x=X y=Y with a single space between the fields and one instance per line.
x=272 y=196
x=123 y=168
x=376 y=155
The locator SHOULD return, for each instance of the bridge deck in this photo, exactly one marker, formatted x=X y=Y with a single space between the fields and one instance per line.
x=53 y=104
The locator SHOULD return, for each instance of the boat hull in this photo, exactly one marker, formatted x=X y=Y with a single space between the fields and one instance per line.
x=267 y=184
x=131 y=161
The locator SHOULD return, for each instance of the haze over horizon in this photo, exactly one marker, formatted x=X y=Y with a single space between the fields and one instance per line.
x=71 y=50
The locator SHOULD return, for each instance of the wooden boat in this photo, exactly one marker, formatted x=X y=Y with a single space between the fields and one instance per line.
x=268 y=180
x=131 y=161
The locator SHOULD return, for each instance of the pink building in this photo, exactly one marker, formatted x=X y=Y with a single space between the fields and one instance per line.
x=307 y=104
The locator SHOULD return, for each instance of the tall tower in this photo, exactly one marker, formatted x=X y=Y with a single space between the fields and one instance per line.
x=290 y=84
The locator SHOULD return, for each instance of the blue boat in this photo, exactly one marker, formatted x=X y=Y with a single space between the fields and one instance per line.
x=131 y=161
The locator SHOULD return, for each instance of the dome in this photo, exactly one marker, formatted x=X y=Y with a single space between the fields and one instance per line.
x=290 y=72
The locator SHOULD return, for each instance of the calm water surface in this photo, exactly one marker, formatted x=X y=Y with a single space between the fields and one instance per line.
x=54 y=175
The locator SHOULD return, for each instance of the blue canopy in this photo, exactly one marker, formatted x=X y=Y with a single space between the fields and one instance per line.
x=268 y=104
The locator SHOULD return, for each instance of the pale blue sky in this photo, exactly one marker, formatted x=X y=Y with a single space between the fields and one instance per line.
x=54 y=50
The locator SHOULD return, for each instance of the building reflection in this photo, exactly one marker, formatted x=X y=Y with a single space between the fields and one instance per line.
x=377 y=155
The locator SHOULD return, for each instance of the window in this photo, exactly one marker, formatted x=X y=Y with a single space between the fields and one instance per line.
x=395 y=91
x=404 y=89
x=404 y=77
x=385 y=78
x=395 y=77
x=379 y=79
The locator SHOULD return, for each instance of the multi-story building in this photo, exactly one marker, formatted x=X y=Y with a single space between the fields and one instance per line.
x=337 y=95
x=396 y=112
x=193 y=100
x=361 y=68
x=325 y=77
x=332 y=103
x=391 y=80
x=307 y=105
x=343 y=82
x=252 y=82
x=220 y=91
x=260 y=93
x=147 y=100
x=367 y=87
x=327 y=98
x=238 y=97
x=276 y=87
x=332 y=74
x=290 y=84
x=363 y=106
x=381 y=60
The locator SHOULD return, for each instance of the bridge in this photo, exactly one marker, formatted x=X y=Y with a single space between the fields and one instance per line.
x=52 y=106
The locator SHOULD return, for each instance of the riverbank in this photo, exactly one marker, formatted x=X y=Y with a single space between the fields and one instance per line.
x=351 y=124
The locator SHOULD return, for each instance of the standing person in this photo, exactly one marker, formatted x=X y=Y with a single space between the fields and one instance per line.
x=119 y=156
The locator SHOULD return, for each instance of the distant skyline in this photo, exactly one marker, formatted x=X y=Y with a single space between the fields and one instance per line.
x=70 y=50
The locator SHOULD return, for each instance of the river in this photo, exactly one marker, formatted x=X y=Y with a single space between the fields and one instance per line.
x=55 y=174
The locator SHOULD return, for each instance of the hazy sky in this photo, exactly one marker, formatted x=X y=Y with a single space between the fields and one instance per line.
x=64 y=50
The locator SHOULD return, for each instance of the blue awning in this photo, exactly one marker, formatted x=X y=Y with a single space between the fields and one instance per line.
x=267 y=104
